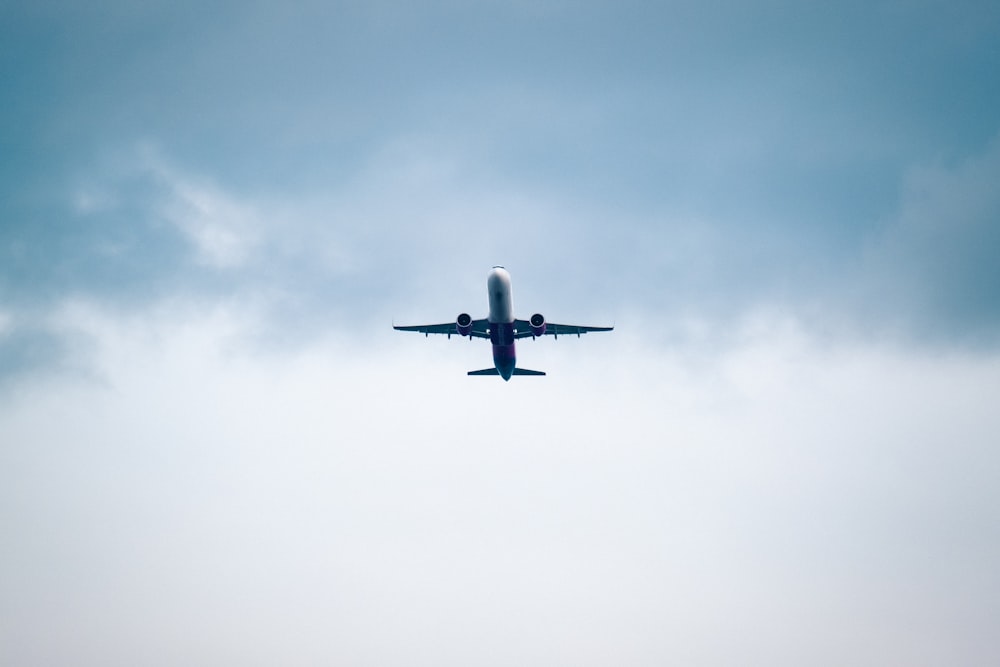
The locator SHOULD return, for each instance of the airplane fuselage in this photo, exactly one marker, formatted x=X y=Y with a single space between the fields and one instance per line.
x=501 y=319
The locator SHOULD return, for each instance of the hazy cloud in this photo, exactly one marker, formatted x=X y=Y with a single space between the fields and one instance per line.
x=933 y=266
x=207 y=503
x=215 y=450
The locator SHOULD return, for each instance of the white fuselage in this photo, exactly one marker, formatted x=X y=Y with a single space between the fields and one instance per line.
x=501 y=319
x=501 y=301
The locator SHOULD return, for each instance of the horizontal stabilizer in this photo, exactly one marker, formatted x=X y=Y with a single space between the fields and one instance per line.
x=517 y=371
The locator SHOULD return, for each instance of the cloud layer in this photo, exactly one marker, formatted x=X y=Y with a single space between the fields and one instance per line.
x=781 y=502
x=214 y=450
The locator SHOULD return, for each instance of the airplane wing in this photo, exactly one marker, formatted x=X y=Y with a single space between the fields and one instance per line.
x=479 y=329
x=523 y=329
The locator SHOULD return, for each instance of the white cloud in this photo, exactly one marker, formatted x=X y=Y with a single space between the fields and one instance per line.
x=345 y=503
x=221 y=229
x=87 y=201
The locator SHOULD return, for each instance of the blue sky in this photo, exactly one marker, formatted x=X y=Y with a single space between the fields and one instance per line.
x=215 y=450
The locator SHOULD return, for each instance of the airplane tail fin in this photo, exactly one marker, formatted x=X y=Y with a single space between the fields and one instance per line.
x=517 y=371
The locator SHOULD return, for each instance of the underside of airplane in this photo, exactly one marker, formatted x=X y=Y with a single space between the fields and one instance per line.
x=501 y=328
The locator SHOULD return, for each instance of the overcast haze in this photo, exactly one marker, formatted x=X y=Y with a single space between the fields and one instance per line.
x=215 y=450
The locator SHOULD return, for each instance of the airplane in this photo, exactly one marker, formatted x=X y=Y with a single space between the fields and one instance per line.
x=501 y=328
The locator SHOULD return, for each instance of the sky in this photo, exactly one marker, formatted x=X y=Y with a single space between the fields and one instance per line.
x=214 y=449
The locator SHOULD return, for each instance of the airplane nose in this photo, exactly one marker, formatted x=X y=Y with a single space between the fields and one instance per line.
x=498 y=278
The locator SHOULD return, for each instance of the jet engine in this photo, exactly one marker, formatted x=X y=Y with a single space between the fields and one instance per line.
x=463 y=324
x=537 y=323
